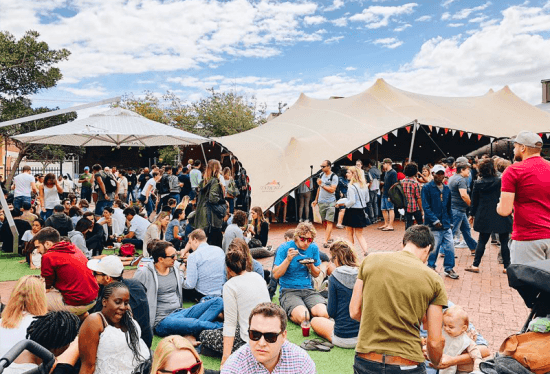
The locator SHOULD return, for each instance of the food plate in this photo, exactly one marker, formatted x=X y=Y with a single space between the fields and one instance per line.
x=306 y=261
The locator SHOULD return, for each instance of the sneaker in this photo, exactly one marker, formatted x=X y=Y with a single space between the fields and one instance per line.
x=451 y=274
x=339 y=226
x=301 y=220
x=324 y=286
x=462 y=244
x=433 y=268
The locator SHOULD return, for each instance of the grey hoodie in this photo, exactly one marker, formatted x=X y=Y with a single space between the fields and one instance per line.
x=78 y=239
x=347 y=275
x=147 y=275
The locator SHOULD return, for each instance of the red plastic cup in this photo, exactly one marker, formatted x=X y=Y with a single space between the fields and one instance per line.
x=305 y=329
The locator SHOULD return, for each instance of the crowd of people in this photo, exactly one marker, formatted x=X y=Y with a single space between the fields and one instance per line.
x=199 y=243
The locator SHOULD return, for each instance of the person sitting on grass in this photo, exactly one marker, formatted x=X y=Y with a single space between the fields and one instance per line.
x=268 y=347
x=77 y=236
x=174 y=231
x=109 y=269
x=235 y=229
x=70 y=284
x=157 y=229
x=175 y=354
x=274 y=283
x=343 y=331
x=137 y=230
x=95 y=237
x=75 y=214
x=60 y=221
x=297 y=295
x=6 y=236
x=33 y=258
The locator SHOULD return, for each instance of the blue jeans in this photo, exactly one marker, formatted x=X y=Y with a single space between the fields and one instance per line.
x=373 y=205
x=231 y=201
x=148 y=205
x=443 y=240
x=45 y=215
x=386 y=203
x=460 y=222
x=19 y=200
x=101 y=205
x=193 y=320
x=131 y=192
x=86 y=193
x=362 y=366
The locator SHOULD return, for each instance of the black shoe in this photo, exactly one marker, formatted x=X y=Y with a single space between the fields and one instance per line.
x=451 y=274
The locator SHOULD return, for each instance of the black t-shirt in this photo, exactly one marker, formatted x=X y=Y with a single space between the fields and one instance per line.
x=142 y=179
x=389 y=180
x=186 y=189
x=132 y=181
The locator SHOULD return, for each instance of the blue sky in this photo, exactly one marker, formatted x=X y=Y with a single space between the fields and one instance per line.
x=274 y=50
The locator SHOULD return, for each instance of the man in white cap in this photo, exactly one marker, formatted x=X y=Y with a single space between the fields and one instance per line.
x=438 y=216
x=526 y=192
x=109 y=269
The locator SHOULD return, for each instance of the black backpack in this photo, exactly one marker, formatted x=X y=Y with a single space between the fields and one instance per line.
x=397 y=195
x=337 y=191
x=164 y=185
x=108 y=181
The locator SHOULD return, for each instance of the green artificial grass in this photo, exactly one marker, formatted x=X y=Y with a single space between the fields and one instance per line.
x=11 y=269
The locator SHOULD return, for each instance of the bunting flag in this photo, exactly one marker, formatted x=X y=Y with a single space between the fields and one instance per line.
x=453 y=132
x=368 y=147
x=394 y=133
x=408 y=128
x=469 y=135
x=479 y=137
x=379 y=140
x=417 y=126
x=492 y=139
x=292 y=194
x=430 y=127
x=437 y=130
x=461 y=133
x=446 y=131
x=350 y=156
x=308 y=183
x=213 y=144
x=285 y=200
x=272 y=209
x=547 y=135
x=360 y=150
x=385 y=137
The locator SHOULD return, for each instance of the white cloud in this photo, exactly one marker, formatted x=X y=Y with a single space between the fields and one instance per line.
x=478 y=19
x=340 y=22
x=111 y=37
x=465 y=13
x=314 y=20
x=446 y=3
x=445 y=16
x=380 y=16
x=390 y=43
x=336 y=4
x=351 y=68
x=93 y=90
x=402 y=27
x=455 y=24
x=334 y=39
x=425 y=18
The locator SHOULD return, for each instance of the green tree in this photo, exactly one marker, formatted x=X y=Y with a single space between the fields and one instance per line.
x=26 y=67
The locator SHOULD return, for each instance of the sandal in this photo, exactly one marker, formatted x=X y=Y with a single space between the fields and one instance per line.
x=312 y=345
x=321 y=341
x=472 y=269
x=387 y=229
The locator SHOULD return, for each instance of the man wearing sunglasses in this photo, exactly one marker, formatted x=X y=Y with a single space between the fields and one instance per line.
x=326 y=198
x=268 y=350
x=296 y=263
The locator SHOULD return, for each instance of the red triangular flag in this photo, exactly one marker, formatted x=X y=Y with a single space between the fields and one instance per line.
x=385 y=137
x=308 y=183
x=479 y=137
x=368 y=147
x=430 y=127
x=540 y=134
x=408 y=128
x=350 y=156
x=461 y=133
x=446 y=131
x=285 y=199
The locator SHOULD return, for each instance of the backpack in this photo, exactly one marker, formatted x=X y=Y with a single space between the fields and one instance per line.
x=531 y=350
x=337 y=191
x=108 y=181
x=397 y=196
x=164 y=185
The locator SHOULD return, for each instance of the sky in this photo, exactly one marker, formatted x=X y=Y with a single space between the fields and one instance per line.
x=274 y=50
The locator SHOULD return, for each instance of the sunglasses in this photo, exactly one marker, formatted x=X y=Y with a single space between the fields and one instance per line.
x=270 y=337
x=172 y=257
x=196 y=368
x=96 y=273
x=323 y=166
x=304 y=239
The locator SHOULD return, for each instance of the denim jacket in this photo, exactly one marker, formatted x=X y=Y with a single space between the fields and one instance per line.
x=437 y=205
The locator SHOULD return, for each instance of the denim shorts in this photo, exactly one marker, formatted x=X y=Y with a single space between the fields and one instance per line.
x=386 y=204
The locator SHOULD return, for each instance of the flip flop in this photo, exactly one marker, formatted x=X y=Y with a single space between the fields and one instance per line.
x=381 y=227
x=311 y=345
x=386 y=229
x=326 y=343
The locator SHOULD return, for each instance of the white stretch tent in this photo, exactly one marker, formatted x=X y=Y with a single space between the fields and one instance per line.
x=278 y=155
x=114 y=127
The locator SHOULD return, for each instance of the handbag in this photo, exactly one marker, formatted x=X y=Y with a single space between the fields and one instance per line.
x=220 y=208
x=531 y=350
x=127 y=250
x=365 y=207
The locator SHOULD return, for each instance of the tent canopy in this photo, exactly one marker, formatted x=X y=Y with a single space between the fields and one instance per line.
x=278 y=155
x=114 y=127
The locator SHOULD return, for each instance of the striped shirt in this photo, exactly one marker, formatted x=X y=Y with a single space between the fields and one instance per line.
x=293 y=360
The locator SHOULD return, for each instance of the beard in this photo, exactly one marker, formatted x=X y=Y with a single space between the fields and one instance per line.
x=518 y=157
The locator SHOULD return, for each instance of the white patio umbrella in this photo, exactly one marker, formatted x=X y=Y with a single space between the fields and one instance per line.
x=115 y=127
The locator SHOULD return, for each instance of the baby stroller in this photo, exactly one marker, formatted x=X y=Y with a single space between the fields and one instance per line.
x=532 y=281
x=48 y=359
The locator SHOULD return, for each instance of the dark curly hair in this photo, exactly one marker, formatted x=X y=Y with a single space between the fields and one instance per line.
x=411 y=169
x=487 y=168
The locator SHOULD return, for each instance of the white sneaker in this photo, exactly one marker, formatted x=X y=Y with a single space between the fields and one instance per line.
x=301 y=220
x=462 y=244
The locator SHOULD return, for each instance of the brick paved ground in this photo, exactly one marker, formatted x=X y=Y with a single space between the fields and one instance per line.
x=494 y=308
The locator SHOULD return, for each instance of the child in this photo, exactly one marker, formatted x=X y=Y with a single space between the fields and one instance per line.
x=457 y=342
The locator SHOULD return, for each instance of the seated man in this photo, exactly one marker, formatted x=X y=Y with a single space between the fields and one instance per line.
x=70 y=285
x=205 y=268
x=137 y=230
x=6 y=236
x=297 y=295
x=109 y=269
x=60 y=221
x=235 y=229
x=268 y=347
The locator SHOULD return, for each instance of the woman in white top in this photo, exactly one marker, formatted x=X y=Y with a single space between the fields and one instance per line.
x=122 y=191
x=111 y=225
x=27 y=300
x=109 y=341
x=49 y=195
x=34 y=259
x=157 y=230
x=355 y=219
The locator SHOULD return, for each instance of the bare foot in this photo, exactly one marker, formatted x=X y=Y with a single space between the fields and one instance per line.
x=192 y=340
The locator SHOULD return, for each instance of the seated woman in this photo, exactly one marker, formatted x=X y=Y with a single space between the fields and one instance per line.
x=78 y=236
x=344 y=330
x=27 y=300
x=259 y=229
x=111 y=226
x=75 y=214
x=110 y=340
x=235 y=229
x=241 y=293
x=174 y=231
x=95 y=238
x=33 y=258
x=84 y=205
x=175 y=354
x=157 y=229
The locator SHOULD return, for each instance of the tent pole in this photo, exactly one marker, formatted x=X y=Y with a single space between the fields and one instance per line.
x=204 y=155
x=10 y=222
x=415 y=123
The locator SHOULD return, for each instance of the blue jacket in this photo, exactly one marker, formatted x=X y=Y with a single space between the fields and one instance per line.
x=340 y=289
x=437 y=205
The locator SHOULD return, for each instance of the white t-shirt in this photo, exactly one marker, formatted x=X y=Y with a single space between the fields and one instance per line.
x=10 y=337
x=139 y=225
x=67 y=185
x=122 y=185
x=150 y=182
x=23 y=184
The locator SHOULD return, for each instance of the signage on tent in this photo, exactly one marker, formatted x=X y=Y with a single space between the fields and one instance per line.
x=271 y=186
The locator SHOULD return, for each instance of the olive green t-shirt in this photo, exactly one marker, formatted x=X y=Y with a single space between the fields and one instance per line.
x=88 y=178
x=397 y=290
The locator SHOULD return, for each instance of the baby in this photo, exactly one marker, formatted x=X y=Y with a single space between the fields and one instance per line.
x=457 y=342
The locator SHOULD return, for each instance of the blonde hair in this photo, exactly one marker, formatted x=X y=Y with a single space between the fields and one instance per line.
x=257 y=223
x=28 y=295
x=160 y=217
x=456 y=312
x=304 y=228
x=357 y=176
x=169 y=345
x=227 y=171
x=213 y=169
